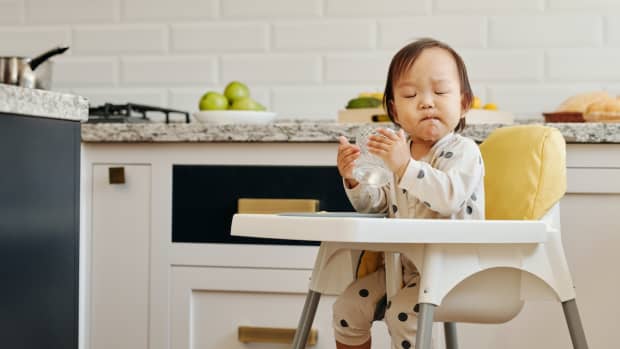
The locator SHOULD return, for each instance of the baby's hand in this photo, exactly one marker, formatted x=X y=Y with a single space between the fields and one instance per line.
x=347 y=154
x=392 y=147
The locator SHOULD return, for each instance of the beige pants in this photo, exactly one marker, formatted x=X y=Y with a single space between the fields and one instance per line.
x=355 y=310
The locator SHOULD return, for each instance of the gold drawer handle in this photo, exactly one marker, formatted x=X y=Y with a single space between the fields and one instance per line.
x=248 y=205
x=116 y=175
x=248 y=334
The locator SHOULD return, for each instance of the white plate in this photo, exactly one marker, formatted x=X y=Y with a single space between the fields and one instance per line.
x=234 y=116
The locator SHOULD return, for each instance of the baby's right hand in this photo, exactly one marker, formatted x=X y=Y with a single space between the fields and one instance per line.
x=347 y=154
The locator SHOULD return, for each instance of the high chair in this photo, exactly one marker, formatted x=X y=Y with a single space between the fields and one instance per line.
x=471 y=271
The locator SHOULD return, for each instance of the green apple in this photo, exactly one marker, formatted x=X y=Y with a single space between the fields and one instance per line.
x=247 y=103
x=213 y=101
x=236 y=90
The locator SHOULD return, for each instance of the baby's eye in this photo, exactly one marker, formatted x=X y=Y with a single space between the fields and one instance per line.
x=411 y=95
x=441 y=92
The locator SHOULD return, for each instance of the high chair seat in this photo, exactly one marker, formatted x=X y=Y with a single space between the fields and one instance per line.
x=471 y=271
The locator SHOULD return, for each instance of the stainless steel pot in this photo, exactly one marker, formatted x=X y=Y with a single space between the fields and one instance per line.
x=22 y=71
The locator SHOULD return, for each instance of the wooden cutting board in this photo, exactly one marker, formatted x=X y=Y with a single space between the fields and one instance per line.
x=363 y=115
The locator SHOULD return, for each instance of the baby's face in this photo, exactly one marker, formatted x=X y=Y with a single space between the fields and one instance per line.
x=427 y=97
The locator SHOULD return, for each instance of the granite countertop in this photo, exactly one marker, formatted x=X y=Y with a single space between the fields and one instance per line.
x=49 y=104
x=301 y=132
x=40 y=103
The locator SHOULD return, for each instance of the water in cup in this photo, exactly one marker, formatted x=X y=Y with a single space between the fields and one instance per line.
x=369 y=169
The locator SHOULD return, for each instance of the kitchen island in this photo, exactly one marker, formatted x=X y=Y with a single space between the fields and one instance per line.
x=159 y=199
x=39 y=219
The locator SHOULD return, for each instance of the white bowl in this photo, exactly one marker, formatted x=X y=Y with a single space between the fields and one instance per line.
x=234 y=117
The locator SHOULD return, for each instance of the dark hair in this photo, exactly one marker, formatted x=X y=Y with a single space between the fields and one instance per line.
x=404 y=59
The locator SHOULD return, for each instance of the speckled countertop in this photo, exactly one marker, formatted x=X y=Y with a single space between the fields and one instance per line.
x=47 y=104
x=300 y=131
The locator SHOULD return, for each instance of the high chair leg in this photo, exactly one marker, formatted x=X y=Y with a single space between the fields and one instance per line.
x=305 y=321
x=425 y=326
x=575 y=328
x=450 y=334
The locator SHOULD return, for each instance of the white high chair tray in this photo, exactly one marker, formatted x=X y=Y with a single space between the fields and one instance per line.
x=352 y=227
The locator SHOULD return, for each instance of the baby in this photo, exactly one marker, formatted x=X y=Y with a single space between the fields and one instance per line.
x=437 y=173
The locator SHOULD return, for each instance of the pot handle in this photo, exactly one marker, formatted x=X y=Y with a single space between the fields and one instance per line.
x=35 y=62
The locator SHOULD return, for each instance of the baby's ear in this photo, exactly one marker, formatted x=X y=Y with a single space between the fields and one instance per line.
x=464 y=105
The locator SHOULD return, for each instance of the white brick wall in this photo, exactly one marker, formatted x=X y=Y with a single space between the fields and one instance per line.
x=168 y=11
x=272 y=68
x=11 y=12
x=504 y=65
x=546 y=31
x=31 y=40
x=613 y=31
x=458 y=31
x=587 y=5
x=372 y=8
x=71 y=11
x=120 y=39
x=306 y=58
x=370 y=67
x=177 y=70
x=71 y=72
x=328 y=35
x=477 y=7
x=275 y=9
x=220 y=37
x=584 y=65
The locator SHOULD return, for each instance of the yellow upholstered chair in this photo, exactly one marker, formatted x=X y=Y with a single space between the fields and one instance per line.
x=471 y=271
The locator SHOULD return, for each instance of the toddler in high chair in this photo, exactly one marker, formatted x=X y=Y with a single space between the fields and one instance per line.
x=437 y=173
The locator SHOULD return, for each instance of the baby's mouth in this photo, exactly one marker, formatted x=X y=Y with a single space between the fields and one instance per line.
x=430 y=117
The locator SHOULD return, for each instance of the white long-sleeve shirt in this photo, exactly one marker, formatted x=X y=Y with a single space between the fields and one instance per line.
x=447 y=183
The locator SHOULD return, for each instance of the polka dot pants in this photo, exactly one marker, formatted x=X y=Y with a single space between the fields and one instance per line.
x=360 y=304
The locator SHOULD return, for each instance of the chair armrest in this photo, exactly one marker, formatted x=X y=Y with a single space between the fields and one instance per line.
x=387 y=230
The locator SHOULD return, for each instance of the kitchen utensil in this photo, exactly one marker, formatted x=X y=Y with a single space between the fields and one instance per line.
x=20 y=71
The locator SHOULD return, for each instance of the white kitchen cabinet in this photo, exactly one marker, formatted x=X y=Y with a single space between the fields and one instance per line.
x=119 y=263
x=195 y=295
x=209 y=304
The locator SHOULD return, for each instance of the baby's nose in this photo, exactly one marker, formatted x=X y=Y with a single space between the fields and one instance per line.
x=426 y=101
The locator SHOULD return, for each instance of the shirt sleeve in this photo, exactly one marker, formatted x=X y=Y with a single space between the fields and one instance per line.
x=444 y=188
x=368 y=199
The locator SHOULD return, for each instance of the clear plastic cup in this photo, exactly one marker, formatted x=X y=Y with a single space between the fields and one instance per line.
x=370 y=169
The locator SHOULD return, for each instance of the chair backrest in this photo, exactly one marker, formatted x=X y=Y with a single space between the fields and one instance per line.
x=525 y=176
x=525 y=171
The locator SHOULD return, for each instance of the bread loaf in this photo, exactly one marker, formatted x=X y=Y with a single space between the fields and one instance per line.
x=606 y=110
x=580 y=102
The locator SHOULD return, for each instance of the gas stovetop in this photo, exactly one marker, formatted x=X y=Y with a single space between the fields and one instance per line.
x=129 y=113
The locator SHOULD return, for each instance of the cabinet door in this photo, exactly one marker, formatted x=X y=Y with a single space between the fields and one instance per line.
x=39 y=232
x=120 y=258
x=209 y=193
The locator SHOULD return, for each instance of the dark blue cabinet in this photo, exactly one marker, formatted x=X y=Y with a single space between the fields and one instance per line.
x=39 y=232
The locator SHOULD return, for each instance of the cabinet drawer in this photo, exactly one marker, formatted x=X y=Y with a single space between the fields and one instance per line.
x=204 y=197
x=210 y=304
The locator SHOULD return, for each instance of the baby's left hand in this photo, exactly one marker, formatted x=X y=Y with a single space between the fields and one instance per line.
x=392 y=148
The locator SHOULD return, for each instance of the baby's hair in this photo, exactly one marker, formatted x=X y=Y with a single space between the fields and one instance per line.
x=404 y=59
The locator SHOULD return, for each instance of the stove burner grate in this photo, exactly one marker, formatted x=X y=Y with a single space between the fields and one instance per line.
x=129 y=112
